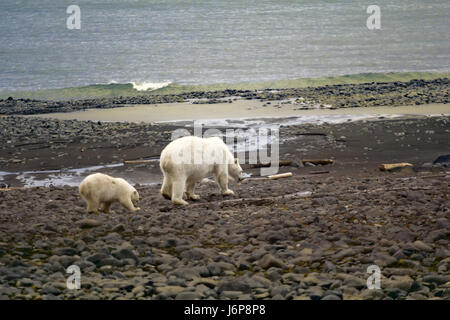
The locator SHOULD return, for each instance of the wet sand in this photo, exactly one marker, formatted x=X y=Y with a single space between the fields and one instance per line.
x=239 y=109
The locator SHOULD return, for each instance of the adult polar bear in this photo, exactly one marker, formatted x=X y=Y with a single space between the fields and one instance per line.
x=188 y=160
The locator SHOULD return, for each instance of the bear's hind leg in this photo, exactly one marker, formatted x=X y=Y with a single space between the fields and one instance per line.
x=166 y=189
x=177 y=191
x=190 y=187
x=104 y=207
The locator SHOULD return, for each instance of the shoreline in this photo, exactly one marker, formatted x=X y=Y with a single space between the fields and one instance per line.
x=242 y=110
x=114 y=90
x=414 y=92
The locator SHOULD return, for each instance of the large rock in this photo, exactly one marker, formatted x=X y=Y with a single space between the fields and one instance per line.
x=125 y=252
x=352 y=281
x=435 y=278
x=65 y=251
x=193 y=254
x=420 y=245
x=88 y=223
x=331 y=297
x=97 y=257
x=443 y=159
x=345 y=253
x=235 y=284
x=170 y=290
x=185 y=273
x=316 y=279
x=398 y=282
x=269 y=261
x=188 y=296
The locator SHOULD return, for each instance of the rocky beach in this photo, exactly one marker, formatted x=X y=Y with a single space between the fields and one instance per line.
x=310 y=236
x=306 y=237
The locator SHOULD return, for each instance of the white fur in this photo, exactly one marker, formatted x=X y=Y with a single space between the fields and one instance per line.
x=100 y=191
x=188 y=160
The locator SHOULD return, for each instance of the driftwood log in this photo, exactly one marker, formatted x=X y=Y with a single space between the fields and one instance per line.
x=392 y=166
x=287 y=163
x=280 y=176
x=140 y=161
x=318 y=161
x=12 y=188
x=272 y=177
x=433 y=176
x=319 y=172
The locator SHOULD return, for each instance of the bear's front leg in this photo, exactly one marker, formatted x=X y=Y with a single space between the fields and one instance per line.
x=128 y=204
x=223 y=183
x=92 y=206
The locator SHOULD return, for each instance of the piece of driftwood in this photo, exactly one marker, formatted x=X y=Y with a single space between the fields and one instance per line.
x=12 y=188
x=433 y=176
x=319 y=172
x=253 y=179
x=318 y=161
x=29 y=144
x=310 y=134
x=272 y=177
x=287 y=163
x=392 y=166
x=280 y=176
x=140 y=161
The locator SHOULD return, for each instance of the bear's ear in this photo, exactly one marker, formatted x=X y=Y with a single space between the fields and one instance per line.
x=236 y=160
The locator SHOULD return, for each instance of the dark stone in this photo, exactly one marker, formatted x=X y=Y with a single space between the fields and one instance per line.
x=404 y=236
x=119 y=228
x=193 y=254
x=434 y=278
x=109 y=261
x=88 y=223
x=236 y=284
x=270 y=261
x=331 y=297
x=50 y=290
x=396 y=293
x=64 y=251
x=125 y=253
x=96 y=258
x=444 y=159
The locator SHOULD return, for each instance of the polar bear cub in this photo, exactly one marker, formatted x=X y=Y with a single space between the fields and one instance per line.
x=188 y=160
x=100 y=191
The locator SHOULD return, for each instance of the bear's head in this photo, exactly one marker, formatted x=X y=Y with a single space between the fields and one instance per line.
x=235 y=170
x=134 y=197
